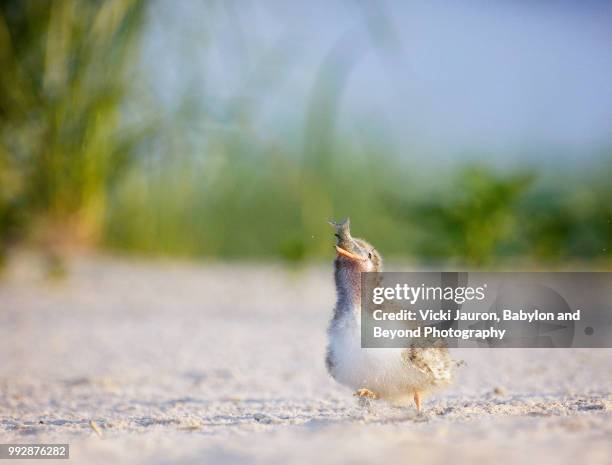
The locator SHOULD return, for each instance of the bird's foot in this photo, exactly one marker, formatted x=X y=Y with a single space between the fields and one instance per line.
x=365 y=394
x=417 y=401
x=365 y=397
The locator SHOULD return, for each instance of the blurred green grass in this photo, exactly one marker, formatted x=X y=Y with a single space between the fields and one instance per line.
x=78 y=168
x=65 y=68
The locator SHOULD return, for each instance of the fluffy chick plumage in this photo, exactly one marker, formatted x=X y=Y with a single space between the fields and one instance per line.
x=396 y=375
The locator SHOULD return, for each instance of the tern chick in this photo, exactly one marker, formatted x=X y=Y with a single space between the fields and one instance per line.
x=395 y=375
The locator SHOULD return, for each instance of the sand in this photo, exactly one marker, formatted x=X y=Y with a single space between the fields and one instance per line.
x=170 y=363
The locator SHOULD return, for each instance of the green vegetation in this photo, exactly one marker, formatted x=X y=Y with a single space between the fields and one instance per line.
x=62 y=142
x=75 y=169
x=486 y=218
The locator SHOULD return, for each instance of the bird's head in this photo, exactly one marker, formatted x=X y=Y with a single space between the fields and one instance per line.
x=353 y=257
x=354 y=254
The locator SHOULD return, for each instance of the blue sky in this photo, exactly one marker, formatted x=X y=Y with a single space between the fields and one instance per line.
x=444 y=78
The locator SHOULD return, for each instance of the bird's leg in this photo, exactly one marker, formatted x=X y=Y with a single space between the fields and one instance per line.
x=365 y=393
x=417 y=400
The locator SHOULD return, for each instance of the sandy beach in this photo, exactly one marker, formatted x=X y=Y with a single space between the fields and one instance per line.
x=170 y=363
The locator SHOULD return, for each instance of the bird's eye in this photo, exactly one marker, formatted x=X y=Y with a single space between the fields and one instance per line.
x=370 y=255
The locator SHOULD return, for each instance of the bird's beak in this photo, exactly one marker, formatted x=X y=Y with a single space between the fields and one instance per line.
x=348 y=254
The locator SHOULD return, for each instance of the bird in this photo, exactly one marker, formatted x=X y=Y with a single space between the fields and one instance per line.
x=396 y=375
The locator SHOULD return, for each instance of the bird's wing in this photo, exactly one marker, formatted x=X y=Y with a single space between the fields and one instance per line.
x=435 y=362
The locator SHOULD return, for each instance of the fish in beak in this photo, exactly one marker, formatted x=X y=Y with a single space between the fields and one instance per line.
x=345 y=245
